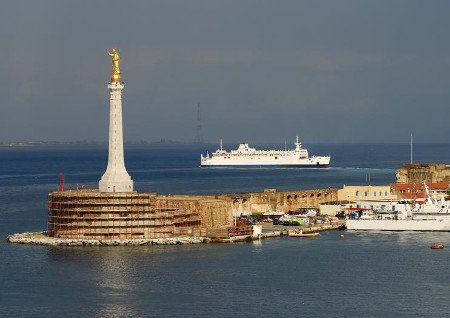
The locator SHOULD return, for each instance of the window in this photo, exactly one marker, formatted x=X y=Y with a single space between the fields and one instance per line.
x=366 y=193
x=357 y=193
x=374 y=193
x=385 y=193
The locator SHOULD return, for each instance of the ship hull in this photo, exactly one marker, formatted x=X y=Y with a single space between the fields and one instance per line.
x=313 y=162
x=246 y=156
x=265 y=166
x=442 y=225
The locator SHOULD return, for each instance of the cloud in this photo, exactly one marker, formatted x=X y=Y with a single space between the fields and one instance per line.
x=318 y=61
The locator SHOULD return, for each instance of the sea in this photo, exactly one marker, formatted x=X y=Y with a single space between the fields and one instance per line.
x=364 y=274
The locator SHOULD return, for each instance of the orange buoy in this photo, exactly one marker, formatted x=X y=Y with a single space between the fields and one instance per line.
x=341 y=236
x=437 y=247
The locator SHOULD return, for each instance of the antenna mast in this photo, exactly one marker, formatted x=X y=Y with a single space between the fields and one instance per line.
x=411 y=150
x=199 y=137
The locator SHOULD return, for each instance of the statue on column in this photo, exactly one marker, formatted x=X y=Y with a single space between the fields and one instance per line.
x=115 y=76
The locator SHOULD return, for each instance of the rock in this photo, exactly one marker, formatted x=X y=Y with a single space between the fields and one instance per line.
x=40 y=238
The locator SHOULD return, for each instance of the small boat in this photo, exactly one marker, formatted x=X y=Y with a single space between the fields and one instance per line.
x=437 y=247
x=300 y=234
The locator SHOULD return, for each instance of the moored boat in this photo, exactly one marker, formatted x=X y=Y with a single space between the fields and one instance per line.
x=432 y=215
x=300 y=234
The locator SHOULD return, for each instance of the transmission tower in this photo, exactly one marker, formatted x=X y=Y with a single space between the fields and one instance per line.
x=199 y=136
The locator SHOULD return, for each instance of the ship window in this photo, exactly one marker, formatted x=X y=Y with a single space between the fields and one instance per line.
x=276 y=157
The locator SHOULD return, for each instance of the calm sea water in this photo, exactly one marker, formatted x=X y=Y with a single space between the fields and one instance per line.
x=362 y=275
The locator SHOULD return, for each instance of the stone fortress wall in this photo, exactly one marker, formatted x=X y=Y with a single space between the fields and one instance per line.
x=429 y=173
x=91 y=214
x=272 y=200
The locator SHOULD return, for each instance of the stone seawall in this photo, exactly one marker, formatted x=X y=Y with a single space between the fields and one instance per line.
x=39 y=238
x=269 y=231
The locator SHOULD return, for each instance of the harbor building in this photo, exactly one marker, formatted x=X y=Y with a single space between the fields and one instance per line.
x=366 y=192
x=417 y=191
x=411 y=179
x=350 y=197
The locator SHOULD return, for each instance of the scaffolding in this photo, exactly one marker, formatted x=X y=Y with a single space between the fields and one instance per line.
x=90 y=214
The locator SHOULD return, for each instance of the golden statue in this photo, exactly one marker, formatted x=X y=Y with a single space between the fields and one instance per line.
x=115 y=76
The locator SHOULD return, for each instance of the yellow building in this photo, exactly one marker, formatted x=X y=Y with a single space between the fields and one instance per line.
x=367 y=192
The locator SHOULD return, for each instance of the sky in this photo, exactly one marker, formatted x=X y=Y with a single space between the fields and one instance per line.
x=263 y=71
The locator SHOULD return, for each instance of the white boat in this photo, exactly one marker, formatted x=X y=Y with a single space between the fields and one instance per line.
x=246 y=156
x=432 y=215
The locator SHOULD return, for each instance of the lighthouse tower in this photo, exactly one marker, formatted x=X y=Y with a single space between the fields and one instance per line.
x=116 y=177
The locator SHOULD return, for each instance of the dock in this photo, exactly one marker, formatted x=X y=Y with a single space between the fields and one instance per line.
x=269 y=231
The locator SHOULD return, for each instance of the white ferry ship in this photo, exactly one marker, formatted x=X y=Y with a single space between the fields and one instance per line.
x=432 y=215
x=246 y=156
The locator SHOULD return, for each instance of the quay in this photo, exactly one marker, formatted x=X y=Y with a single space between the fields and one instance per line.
x=269 y=231
x=310 y=228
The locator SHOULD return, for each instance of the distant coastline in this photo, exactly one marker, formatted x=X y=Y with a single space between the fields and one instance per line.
x=95 y=144
x=168 y=144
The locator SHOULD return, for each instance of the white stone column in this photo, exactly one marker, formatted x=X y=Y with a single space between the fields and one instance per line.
x=116 y=177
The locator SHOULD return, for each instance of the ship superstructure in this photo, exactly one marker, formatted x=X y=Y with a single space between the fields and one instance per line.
x=245 y=155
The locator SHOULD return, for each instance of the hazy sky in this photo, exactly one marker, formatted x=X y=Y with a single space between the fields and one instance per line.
x=263 y=71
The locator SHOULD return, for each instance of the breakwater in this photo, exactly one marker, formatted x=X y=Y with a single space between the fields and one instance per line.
x=40 y=238
x=269 y=231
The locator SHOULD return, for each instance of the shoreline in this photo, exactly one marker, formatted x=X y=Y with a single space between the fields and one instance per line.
x=40 y=238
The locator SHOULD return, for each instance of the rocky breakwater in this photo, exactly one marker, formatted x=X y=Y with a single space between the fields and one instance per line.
x=39 y=238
